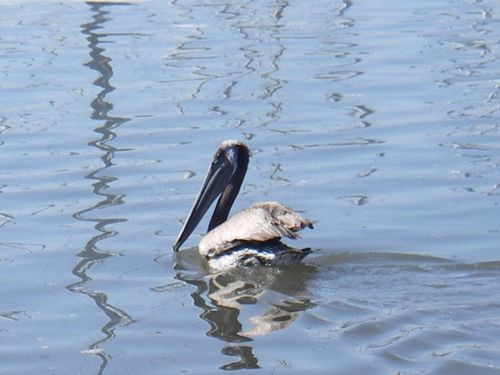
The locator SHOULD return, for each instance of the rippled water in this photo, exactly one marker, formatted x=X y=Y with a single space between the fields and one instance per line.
x=378 y=120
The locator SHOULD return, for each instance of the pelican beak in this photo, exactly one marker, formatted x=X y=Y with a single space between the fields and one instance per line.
x=215 y=182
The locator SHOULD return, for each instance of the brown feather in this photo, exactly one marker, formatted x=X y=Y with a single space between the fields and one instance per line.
x=261 y=222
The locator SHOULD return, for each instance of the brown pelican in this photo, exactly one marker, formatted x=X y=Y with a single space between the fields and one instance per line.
x=252 y=236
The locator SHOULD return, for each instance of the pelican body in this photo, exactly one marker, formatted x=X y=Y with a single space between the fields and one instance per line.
x=252 y=236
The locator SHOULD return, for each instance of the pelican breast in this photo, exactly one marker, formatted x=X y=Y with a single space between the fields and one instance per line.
x=260 y=223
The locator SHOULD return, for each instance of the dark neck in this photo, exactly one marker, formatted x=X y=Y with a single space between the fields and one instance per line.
x=230 y=193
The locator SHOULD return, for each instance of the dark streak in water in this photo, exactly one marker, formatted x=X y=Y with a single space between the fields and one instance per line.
x=361 y=111
x=275 y=84
x=357 y=200
x=276 y=169
x=339 y=75
x=343 y=8
x=5 y=218
x=3 y=127
x=180 y=53
x=367 y=173
x=14 y=315
x=100 y=183
x=357 y=142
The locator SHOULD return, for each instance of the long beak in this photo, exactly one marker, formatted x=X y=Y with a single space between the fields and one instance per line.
x=215 y=182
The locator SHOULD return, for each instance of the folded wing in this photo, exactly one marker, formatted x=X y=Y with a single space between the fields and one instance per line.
x=260 y=223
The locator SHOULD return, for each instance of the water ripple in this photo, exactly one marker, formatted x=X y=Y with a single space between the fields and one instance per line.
x=101 y=182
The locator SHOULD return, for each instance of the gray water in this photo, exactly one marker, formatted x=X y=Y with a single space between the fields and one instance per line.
x=378 y=120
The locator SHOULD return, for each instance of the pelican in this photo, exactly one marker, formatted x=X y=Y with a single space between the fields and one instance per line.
x=252 y=236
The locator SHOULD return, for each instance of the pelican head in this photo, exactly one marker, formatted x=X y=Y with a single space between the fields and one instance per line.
x=223 y=180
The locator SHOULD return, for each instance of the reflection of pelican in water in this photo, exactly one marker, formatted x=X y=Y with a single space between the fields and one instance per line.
x=242 y=303
x=234 y=291
x=252 y=236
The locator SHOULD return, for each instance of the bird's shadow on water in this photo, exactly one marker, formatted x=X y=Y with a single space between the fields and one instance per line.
x=242 y=303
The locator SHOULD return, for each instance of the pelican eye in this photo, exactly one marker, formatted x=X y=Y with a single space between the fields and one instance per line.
x=220 y=153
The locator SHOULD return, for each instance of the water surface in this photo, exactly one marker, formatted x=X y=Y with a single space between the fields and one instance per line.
x=379 y=121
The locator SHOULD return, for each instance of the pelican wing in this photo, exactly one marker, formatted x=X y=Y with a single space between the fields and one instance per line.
x=261 y=222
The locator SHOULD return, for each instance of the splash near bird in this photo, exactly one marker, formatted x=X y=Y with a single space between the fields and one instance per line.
x=252 y=236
